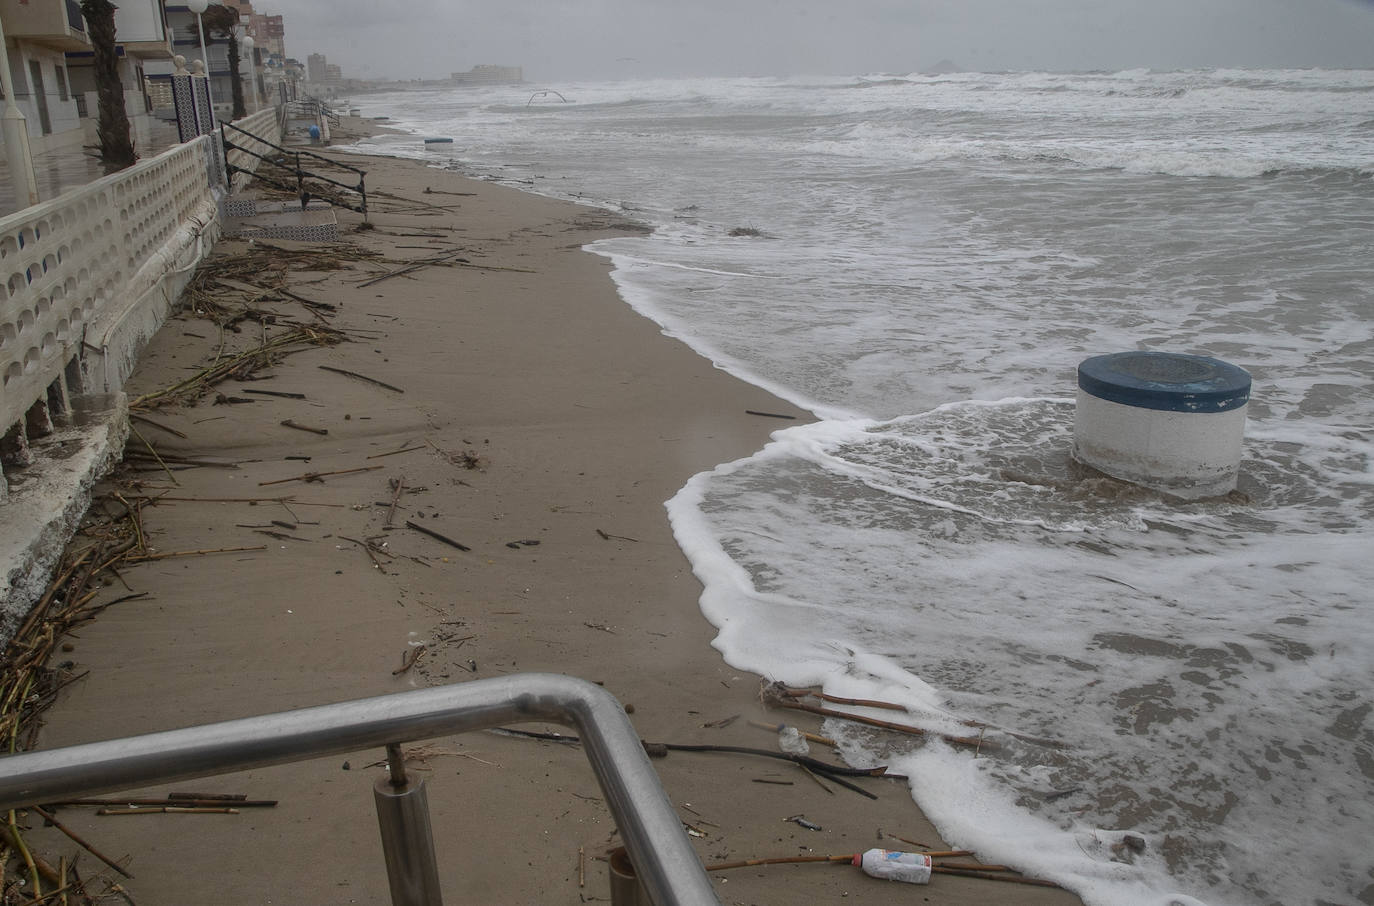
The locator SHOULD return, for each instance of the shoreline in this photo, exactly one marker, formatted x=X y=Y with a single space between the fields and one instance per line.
x=583 y=418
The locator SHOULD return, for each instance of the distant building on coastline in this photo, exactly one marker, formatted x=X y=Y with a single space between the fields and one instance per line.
x=489 y=74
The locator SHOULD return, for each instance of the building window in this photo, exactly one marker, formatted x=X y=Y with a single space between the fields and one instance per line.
x=61 y=72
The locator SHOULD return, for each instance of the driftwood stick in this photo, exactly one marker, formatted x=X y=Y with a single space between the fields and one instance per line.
x=435 y=535
x=361 y=377
x=192 y=801
x=778 y=860
x=288 y=423
x=48 y=816
x=400 y=484
x=397 y=452
x=281 y=393
x=155 y=456
x=874 y=722
x=170 y=810
x=975 y=866
x=892 y=706
x=161 y=427
x=411 y=657
x=218 y=550
x=316 y=476
x=990 y=876
x=367 y=549
x=219 y=797
x=437 y=259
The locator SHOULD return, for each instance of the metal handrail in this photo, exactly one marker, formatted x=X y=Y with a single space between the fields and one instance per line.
x=662 y=855
x=297 y=172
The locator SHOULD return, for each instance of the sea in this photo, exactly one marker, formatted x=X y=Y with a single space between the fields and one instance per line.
x=1171 y=700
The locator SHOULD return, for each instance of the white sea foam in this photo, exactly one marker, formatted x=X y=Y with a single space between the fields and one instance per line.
x=937 y=254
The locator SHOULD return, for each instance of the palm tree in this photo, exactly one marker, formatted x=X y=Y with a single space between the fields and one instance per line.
x=223 y=20
x=112 y=126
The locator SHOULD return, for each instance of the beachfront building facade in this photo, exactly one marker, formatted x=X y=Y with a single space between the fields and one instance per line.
x=489 y=74
x=141 y=30
x=51 y=77
x=186 y=35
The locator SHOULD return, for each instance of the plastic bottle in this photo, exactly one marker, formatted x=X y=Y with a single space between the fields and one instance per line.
x=914 y=868
x=791 y=741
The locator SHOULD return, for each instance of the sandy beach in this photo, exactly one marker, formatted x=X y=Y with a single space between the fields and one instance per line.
x=530 y=415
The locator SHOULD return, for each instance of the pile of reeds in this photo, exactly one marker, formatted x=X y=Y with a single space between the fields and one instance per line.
x=239 y=367
x=111 y=536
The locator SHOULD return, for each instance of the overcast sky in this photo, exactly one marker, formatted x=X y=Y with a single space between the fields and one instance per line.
x=581 y=39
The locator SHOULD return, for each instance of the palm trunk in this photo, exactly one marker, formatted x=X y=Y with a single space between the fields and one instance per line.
x=234 y=80
x=112 y=126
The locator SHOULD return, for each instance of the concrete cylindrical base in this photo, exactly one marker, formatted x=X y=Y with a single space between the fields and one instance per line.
x=1170 y=422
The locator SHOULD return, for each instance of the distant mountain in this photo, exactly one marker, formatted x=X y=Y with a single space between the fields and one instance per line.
x=944 y=67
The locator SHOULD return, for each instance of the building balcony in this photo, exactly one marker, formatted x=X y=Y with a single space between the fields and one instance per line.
x=52 y=23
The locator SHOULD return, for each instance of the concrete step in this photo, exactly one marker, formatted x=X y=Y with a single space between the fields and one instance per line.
x=248 y=217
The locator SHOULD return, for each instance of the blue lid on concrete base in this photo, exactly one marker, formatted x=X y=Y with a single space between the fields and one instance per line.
x=1165 y=380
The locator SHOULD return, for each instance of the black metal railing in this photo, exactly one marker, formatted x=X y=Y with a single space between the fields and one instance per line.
x=313 y=106
x=285 y=169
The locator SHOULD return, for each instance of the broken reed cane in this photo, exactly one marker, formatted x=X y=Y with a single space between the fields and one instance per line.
x=980 y=872
x=783 y=701
x=892 y=706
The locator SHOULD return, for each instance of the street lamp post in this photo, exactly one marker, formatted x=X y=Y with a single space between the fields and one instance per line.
x=247 y=44
x=198 y=7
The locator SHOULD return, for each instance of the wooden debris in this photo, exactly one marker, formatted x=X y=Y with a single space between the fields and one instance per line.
x=773 y=698
x=990 y=876
x=435 y=535
x=397 y=452
x=411 y=656
x=427 y=262
x=170 y=810
x=158 y=425
x=75 y=838
x=288 y=423
x=780 y=860
x=216 y=550
x=239 y=367
x=317 y=476
x=769 y=414
x=204 y=800
x=606 y=536
x=398 y=486
x=280 y=393
x=361 y=377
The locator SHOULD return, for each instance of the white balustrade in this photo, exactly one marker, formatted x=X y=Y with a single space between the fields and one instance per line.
x=74 y=268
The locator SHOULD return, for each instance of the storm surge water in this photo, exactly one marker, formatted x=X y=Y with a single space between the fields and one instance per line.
x=922 y=262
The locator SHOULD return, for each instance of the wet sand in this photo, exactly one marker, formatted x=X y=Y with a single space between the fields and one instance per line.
x=581 y=419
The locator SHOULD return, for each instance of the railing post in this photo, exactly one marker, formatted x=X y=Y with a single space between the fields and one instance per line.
x=407 y=840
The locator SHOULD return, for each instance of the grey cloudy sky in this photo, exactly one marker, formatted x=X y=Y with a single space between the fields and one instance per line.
x=570 y=39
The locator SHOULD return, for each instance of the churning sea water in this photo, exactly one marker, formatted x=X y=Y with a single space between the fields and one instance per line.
x=927 y=259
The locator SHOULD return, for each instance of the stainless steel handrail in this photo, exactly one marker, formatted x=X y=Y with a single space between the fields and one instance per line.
x=662 y=855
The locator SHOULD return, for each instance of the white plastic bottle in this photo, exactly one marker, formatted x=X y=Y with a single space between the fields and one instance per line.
x=914 y=868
